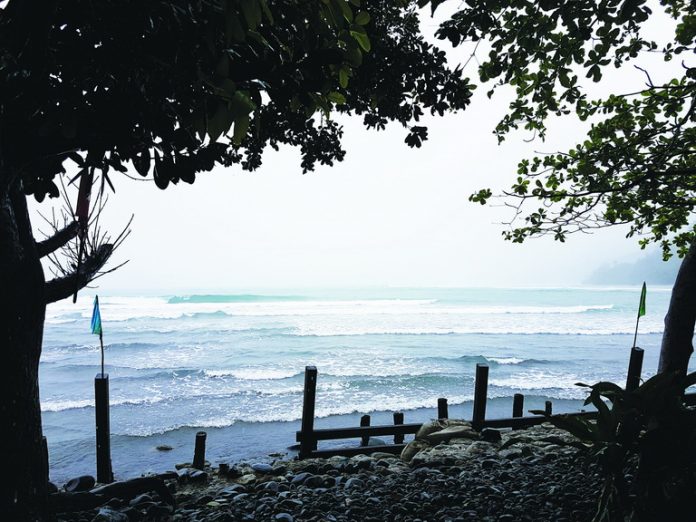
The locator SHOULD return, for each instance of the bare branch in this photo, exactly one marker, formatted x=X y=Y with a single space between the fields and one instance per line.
x=57 y=240
x=63 y=287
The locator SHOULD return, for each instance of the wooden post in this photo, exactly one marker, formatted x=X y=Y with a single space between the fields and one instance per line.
x=635 y=366
x=548 y=408
x=517 y=405
x=308 y=444
x=105 y=474
x=44 y=459
x=480 y=394
x=199 y=450
x=442 y=409
x=365 y=421
x=398 y=419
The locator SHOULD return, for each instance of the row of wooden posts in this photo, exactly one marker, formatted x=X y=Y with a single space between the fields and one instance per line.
x=308 y=436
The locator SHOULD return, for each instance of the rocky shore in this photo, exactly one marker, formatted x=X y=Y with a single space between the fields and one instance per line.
x=449 y=473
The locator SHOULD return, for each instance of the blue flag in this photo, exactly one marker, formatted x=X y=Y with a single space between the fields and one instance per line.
x=96 y=318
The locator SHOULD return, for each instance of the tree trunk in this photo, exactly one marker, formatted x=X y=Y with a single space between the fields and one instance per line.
x=23 y=481
x=677 y=339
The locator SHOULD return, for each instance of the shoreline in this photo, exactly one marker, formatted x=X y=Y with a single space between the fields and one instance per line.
x=240 y=442
x=451 y=473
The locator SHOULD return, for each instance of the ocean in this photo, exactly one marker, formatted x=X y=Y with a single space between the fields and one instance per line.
x=233 y=365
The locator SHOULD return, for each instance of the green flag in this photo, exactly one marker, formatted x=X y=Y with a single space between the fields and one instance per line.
x=96 y=318
x=641 y=307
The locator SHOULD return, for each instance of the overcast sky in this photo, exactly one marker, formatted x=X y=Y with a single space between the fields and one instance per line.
x=387 y=216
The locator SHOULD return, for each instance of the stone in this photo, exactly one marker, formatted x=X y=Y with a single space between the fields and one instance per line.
x=412 y=448
x=490 y=435
x=452 y=432
x=247 y=479
x=198 y=476
x=300 y=478
x=164 y=447
x=314 y=481
x=82 y=483
x=429 y=427
x=262 y=467
x=379 y=455
x=284 y=517
x=353 y=482
x=140 y=499
x=110 y=515
x=376 y=441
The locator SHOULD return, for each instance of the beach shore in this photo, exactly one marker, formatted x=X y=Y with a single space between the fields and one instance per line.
x=527 y=475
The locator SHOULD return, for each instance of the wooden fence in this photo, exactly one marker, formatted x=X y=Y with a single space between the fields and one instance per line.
x=308 y=436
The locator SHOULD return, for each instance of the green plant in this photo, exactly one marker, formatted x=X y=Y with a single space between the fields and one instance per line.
x=645 y=442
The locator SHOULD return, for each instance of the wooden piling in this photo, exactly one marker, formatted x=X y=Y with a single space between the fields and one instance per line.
x=517 y=405
x=103 y=432
x=442 y=410
x=548 y=408
x=480 y=394
x=635 y=366
x=398 y=419
x=44 y=459
x=199 y=450
x=308 y=443
x=364 y=421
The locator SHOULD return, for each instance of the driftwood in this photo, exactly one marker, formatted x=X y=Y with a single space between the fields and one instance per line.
x=126 y=490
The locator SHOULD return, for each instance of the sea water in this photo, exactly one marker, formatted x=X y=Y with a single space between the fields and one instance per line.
x=233 y=364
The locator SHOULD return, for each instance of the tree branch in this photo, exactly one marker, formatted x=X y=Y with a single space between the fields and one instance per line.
x=62 y=287
x=57 y=240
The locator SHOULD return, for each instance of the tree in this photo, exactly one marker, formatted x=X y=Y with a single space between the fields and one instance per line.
x=637 y=165
x=173 y=89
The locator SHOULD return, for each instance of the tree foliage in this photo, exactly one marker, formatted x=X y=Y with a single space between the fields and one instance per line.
x=174 y=88
x=637 y=164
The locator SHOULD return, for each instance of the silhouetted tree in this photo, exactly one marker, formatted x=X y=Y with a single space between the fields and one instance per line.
x=173 y=89
x=637 y=164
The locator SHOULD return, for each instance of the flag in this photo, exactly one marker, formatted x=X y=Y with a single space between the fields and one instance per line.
x=96 y=318
x=641 y=307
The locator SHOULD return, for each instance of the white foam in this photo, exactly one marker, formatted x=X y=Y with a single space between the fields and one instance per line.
x=506 y=360
x=252 y=374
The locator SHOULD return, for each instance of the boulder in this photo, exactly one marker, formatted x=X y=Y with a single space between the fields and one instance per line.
x=451 y=432
x=412 y=448
x=83 y=483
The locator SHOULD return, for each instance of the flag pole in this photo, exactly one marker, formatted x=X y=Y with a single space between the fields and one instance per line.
x=635 y=335
x=101 y=342
x=641 y=311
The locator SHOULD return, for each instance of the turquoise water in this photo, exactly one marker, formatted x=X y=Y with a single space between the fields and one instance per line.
x=233 y=364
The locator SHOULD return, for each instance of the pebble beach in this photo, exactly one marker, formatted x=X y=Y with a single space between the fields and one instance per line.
x=448 y=473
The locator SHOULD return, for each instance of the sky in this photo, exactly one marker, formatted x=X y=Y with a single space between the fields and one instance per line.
x=386 y=216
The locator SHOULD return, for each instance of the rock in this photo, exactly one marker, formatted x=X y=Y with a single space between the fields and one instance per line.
x=223 y=468
x=140 y=499
x=314 y=481
x=284 y=517
x=182 y=465
x=412 y=448
x=110 y=515
x=376 y=441
x=379 y=455
x=247 y=479
x=164 y=447
x=198 y=476
x=52 y=488
x=490 y=435
x=429 y=427
x=261 y=467
x=83 y=483
x=300 y=478
x=452 y=432
x=353 y=483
